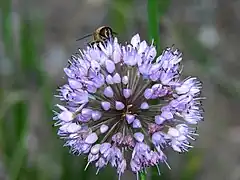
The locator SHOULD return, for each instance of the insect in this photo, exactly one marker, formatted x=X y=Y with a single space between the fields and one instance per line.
x=100 y=35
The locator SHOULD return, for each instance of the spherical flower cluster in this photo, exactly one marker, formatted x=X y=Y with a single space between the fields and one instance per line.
x=123 y=105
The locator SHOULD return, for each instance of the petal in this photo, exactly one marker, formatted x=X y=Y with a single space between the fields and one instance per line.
x=159 y=119
x=74 y=84
x=135 y=40
x=130 y=118
x=167 y=115
x=103 y=128
x=137 y=123
x=96 y=115
x=91 y=138
x=144 y=105
x=109 y=79
x=139 y=136
x=106 y=105
x=142 y=47
x=125 y=80
x=156 y=138
x=148 y=93
x=116 y=78
x=95 y=65
x=95 y=149
x=86 y=112
x=104 y=147
x=108 y=92
x=127 y=93
x=119 y=105
x=117 y=54
x=173 y=132
x=70 y=128
x=110 y=66
x=66 y=116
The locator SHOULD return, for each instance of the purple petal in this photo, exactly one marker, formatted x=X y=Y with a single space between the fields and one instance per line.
x=152 y=53
x=131 y=59
x=116 y=78
x=135 y=167
x=117 y=54
x=127 y=93
x=122 y=166
x=167 y=115
x=156 y=87
x=101 y=163
x=96 y=115
x=109 y=79
x=106 y=105
x=182 y=128
x=70 y=128
x=176 y=147
x=80 y=97
x=174 y=103
x=130 y=118
x=104 y=147
x=159 y=119
x=82 y=118
x=190 y=85
x=95 y=149
x=136 y=123
x=110 y=66
x=135 y=40
x=156 y=138
x=85 y=148
x=139 y=136
x=119 y=105
x=91 y=138
x=148 y=93
x=66 y=116
x=184 y=88
x=86 y=112
x=173 y=132
x=117 y=138
x=69 y=72
x=125 y=80
x=95 y=66
x=91 y=89
x=144 y=105
x=74 y=84
x=143 y=46
x=108 y=92
x=103 y=128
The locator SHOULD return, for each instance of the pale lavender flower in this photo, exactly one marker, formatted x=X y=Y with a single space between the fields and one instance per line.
x=108 y=111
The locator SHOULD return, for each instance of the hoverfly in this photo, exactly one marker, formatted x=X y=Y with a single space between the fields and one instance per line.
x=100 y=35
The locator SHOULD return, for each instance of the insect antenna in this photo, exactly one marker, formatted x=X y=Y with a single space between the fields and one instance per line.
x=88 y=35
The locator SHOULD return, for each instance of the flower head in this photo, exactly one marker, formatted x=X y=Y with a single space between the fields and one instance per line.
x=108 y=109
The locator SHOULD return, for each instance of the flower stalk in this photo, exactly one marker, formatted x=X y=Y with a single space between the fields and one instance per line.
x=142 y=176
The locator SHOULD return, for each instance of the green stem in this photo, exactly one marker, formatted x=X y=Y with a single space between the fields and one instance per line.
x=153 y=21
x=142 y=176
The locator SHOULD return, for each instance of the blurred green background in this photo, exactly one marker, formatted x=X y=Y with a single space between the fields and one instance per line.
x=37 y=38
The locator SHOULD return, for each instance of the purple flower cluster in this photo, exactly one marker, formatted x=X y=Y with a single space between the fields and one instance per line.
x=108 y=112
